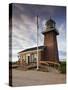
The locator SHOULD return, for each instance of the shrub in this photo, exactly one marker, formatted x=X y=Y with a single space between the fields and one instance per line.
x=62 y=67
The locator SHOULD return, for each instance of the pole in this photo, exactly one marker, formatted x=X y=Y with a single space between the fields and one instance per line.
x=37 y=45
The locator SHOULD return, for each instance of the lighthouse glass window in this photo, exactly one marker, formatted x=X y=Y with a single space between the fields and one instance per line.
x=37 y=44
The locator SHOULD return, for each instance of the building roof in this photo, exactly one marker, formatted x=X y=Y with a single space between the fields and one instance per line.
x=33 y=48
x=50 y=26
x=50 y=21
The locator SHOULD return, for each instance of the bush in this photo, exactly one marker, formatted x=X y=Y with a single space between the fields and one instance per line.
x=63 y=67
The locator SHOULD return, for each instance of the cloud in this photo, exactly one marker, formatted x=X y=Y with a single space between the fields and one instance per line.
x=62 y=41
x=26 y=32
x=62 y=54
x=62 y=37
x=24 y=26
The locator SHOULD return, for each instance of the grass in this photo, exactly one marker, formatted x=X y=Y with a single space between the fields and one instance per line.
x=62 y=67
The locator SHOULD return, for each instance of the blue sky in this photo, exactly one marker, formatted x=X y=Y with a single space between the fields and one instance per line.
x=24 y=27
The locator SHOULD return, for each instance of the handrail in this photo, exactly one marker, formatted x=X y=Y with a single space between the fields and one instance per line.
x=49 y=62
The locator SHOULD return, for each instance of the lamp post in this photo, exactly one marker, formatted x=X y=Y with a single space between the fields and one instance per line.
x=37 y=46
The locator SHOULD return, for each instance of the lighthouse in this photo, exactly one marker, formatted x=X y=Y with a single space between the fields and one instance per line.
x=50 y=41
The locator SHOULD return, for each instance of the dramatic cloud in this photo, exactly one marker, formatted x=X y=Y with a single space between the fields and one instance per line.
x=24 y=27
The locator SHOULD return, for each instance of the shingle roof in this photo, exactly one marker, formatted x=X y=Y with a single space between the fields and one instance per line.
x=33 y=48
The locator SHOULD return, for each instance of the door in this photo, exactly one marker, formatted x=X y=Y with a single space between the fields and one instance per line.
x=28 y=59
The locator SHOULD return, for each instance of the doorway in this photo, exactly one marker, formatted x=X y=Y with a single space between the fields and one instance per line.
x=28 y=59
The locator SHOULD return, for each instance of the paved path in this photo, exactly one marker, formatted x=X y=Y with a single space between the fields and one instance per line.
x=30 y=78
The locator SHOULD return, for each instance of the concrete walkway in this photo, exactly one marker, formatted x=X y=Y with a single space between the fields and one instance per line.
x=33 y=77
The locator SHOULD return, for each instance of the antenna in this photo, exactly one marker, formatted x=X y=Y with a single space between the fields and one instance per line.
x=50 y=17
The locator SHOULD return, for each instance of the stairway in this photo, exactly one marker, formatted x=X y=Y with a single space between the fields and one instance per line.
x=33 y=66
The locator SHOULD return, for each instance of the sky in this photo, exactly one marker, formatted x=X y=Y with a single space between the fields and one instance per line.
x=24 y=27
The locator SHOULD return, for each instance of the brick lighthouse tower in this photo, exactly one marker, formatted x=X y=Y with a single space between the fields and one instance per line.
x=50 y=41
